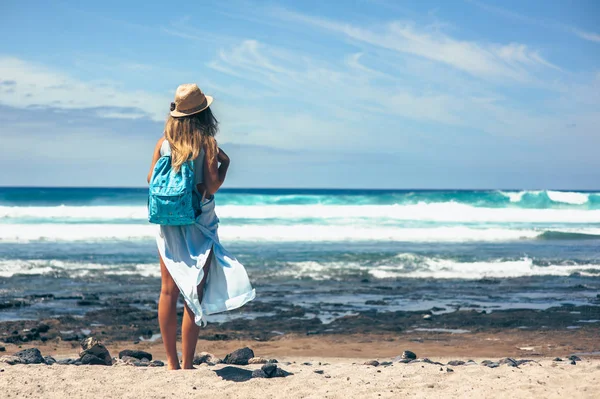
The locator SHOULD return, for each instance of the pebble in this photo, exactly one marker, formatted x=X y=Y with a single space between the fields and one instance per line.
x=307 y=364
x=573 y=362
x=10 y=360
x=30 y=356
x=209 y=359
x=426 y=360
x=374 y=363
x=557 y=359
x=490 y=364
x=2 y=348
x=270 y=370
x=456 y=363
x=98 y=354
x=449 y=370
x=572 y=357
x=156 y=363
x=427 y=317
x=49 y=360
x=239 y=356
x=136 y=354
x=409 y=355
x=90 y=359
x=319 y=371
x=509 y=362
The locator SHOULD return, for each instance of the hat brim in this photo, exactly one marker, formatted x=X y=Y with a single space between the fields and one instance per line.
x=178 y=114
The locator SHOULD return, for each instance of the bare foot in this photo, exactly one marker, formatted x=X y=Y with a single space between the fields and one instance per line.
x=173 y=366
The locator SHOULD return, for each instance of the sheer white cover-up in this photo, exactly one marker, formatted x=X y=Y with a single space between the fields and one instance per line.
x=185 y=250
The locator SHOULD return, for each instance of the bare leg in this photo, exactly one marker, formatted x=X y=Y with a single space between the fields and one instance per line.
x=167 y=315
x=189 y=329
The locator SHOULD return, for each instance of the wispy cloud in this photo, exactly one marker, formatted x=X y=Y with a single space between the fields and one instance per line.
x=36 y=85
x=511 y=61
x=592 y=37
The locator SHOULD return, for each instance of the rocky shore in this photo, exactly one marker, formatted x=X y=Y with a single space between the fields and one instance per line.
x=129 y=321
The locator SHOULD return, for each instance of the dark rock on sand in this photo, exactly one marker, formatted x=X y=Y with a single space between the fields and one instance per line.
x=135 y=353
x=2 y=348
x=64 y=362
x=374 y=363
x=10 y=360
x=208 y=358
x=456 y=363
x=156 y=363
x=409 y=355
x=427 y=360
x=270 y=370
x=557 y=359
x=49 y=360
x=93 y=360
x=573 y=362
x=509 y=362
x=30 y=356
x=319 y=371
x=490 y=364
x=240 y=356
x=141 y=363
x=572 y=357
x=91 y=346
x=449 y=370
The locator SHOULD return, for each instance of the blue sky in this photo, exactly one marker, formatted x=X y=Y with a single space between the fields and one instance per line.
x=354 y=94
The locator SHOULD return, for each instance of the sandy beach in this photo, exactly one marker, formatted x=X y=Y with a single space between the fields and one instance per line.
x=341 y=378
x=331 y=367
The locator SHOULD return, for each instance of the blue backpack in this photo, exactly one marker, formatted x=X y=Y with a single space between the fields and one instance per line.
x=171 y=195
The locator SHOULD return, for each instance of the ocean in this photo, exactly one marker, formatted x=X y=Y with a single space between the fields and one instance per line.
x=332 y=252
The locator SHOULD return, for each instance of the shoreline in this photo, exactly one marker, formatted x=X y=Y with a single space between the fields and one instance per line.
x=509 y=343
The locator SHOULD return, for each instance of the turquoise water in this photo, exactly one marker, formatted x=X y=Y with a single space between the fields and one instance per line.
x=538 y=244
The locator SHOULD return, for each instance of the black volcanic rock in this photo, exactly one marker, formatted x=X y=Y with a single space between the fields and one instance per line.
x=239 y=356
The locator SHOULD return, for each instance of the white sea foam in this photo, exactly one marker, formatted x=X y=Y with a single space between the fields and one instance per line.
x=9 y=268
x=514 y=196
x=22 y=233
x=568 y=197
x=404 y=267
x=401 y=266
x=432 y=212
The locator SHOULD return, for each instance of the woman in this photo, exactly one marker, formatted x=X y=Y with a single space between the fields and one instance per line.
x=192 y=260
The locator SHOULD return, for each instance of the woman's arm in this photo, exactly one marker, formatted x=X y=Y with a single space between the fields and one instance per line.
x=214 y=174
x=155 y=157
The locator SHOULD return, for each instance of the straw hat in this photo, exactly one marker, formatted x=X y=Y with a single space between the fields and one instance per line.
x=189 y=100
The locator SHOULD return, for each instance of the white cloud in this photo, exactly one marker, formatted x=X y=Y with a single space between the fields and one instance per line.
x=593 y=37
x=484 y=60
x=36 y=85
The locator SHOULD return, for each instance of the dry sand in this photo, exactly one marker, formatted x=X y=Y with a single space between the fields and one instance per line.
x=342 y=378
x=342 y=361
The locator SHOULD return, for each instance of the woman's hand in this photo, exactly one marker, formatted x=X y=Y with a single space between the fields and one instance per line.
x=222 y=157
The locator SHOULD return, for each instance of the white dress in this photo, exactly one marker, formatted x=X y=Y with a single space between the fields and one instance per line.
x=185 y=250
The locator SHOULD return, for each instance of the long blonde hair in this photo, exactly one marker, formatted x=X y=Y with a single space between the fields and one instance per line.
x=189 y=134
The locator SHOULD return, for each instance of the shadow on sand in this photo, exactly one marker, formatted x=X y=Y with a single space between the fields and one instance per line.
x=235 y=374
